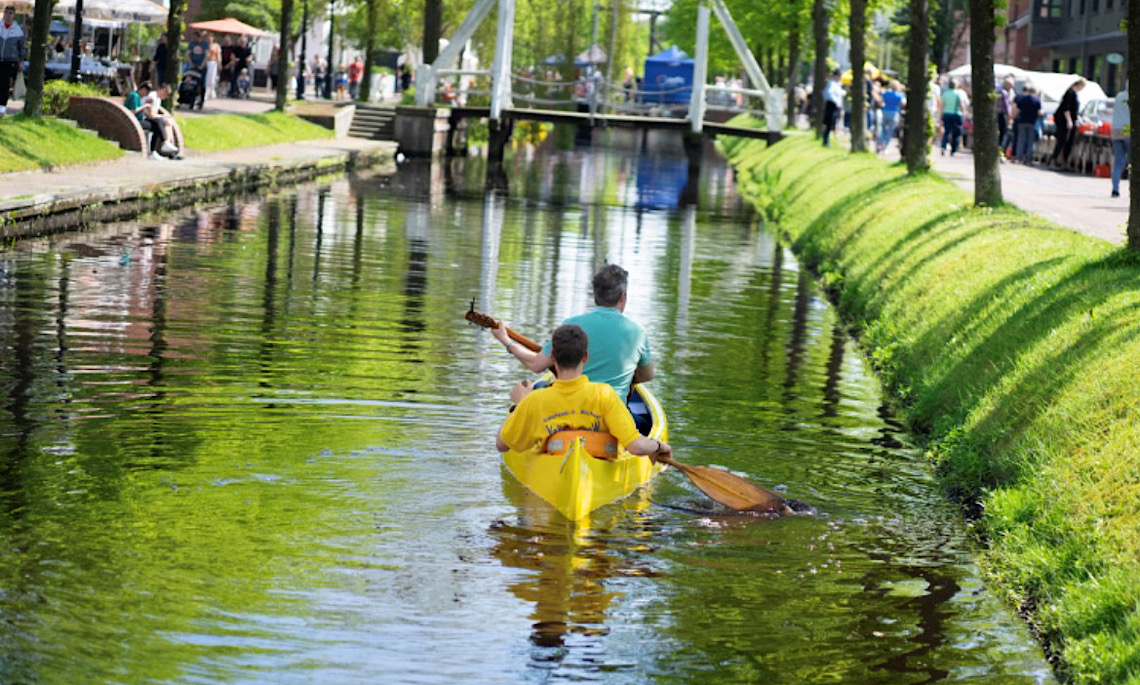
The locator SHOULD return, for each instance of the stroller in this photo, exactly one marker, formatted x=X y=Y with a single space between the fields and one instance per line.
x=242 y=85
x=191 y=91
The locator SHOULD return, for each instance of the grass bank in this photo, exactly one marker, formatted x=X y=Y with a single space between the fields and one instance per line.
x=230 y=131
x=1013 y=346
x=28 y=143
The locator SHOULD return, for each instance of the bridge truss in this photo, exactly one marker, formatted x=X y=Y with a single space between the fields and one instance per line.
x=601 y=94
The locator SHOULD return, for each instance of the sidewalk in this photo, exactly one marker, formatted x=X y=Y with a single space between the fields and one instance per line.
x=35 y=200
x=1082 y=203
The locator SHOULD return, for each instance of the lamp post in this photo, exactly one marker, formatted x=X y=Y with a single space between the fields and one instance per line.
x=77 y=39
x=329 y=72
x=304 y=48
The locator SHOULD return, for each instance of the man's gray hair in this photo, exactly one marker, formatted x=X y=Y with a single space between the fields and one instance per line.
x=609 y=283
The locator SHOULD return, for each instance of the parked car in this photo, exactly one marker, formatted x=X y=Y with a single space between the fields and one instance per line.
x=1096 y=116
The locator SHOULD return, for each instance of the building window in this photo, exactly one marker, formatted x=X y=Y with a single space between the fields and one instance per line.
x=1050 y=9
x=1095 y=5
x=1075 y=65
x=1056 y=66
x=1093 y=65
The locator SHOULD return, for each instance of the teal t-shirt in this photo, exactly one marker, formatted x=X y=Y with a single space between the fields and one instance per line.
x=133 y=102
x=617 y=346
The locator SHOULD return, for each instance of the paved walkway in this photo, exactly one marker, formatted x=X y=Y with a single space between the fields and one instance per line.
x=30 y=193
x=1082 y=203
x=133 y=173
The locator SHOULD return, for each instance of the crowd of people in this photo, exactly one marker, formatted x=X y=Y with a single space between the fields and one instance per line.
x=1021 y=118
x=211 y=67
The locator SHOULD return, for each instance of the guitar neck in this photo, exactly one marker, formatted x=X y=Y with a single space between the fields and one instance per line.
x=481 y=319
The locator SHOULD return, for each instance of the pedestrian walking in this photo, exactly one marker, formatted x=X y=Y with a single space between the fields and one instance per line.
x=955 y=106
x=1026 y=108
x=160 y=60
x=1005 y=96
x=1121 y=139
x=213 y=66
x=355 y=72
x=1065 y=124
x=893 y=102
x=833 y=95
x=12 y=49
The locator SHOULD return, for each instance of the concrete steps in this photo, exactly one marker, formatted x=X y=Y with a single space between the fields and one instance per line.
x=373 y=122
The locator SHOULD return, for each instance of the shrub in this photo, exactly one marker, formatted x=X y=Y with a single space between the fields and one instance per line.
x=58 y=94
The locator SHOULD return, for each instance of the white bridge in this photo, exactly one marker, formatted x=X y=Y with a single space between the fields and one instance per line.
x=514 y=96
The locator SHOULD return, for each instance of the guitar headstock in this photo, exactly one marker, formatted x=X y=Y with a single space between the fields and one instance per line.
x=479 y=318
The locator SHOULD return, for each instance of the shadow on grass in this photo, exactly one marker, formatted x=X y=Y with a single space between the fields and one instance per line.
x=1007 y=349
x=29 y=139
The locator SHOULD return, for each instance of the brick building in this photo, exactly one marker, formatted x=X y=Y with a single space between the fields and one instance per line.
x=1069 y=36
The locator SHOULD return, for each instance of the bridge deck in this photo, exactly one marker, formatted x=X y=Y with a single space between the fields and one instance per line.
x=617 y=120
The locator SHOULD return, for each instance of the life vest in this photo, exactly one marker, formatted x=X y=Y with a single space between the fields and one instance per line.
x=598 y=444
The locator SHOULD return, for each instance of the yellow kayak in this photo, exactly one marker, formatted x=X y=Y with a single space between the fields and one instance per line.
x=576 y=483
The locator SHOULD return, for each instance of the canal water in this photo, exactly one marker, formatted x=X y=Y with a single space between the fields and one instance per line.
x=253 y=442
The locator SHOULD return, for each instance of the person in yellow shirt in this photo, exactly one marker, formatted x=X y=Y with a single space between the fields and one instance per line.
x=571 y=403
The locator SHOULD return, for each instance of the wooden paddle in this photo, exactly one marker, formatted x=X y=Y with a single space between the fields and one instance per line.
x=731 y=491
x=723 y=487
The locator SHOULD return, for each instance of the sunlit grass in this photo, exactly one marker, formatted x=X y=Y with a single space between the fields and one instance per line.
x=230 y=131
x=1013 y=346
x=28 y=143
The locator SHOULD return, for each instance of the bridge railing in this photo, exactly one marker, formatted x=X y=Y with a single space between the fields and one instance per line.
x=460 y=87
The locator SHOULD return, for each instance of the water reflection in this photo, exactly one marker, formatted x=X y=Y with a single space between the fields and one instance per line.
x=253 y=442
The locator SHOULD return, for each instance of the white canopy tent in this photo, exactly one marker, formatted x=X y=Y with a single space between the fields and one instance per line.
x=1053 y=86
x=1000 y=72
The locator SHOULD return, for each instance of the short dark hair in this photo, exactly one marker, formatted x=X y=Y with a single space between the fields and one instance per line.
x=609 y=283
x=145 y=84
x=568 y=346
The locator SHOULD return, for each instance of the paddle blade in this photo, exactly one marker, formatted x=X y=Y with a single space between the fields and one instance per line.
x=731 y=491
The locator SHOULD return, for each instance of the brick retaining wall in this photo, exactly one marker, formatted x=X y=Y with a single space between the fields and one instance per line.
x=111 y=120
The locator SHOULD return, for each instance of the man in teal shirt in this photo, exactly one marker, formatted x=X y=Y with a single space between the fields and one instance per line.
x=618 y=347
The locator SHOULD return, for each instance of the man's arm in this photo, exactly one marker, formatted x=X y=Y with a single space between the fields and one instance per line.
x=535 y=361
x=650 y=447
x=643 y=373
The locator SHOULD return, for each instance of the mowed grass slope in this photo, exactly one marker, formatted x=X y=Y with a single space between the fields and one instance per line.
x=231 y=131
x=28 y=143
x=1013 y=345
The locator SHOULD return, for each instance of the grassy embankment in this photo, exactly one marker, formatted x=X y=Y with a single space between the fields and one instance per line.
x=230 y=131
x=44 y=143
x=1013 y=347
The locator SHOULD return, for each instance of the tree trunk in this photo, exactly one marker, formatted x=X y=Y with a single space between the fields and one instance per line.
x=369 y=51
x=433 y=26
x=173 y=43
x=984 y=141
x=915 y=147
x=819 y=74
x=858 y=32
x=41 y=21
x=793 y=67
x=1134 y=136
x=283 y=52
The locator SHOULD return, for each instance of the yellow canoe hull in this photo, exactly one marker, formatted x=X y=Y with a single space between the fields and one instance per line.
x=576 y=483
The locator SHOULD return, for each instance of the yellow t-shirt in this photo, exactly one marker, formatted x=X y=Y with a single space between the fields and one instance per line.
x=568 y=405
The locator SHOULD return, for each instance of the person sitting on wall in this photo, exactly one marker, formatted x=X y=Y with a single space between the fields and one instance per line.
x=136 y=103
